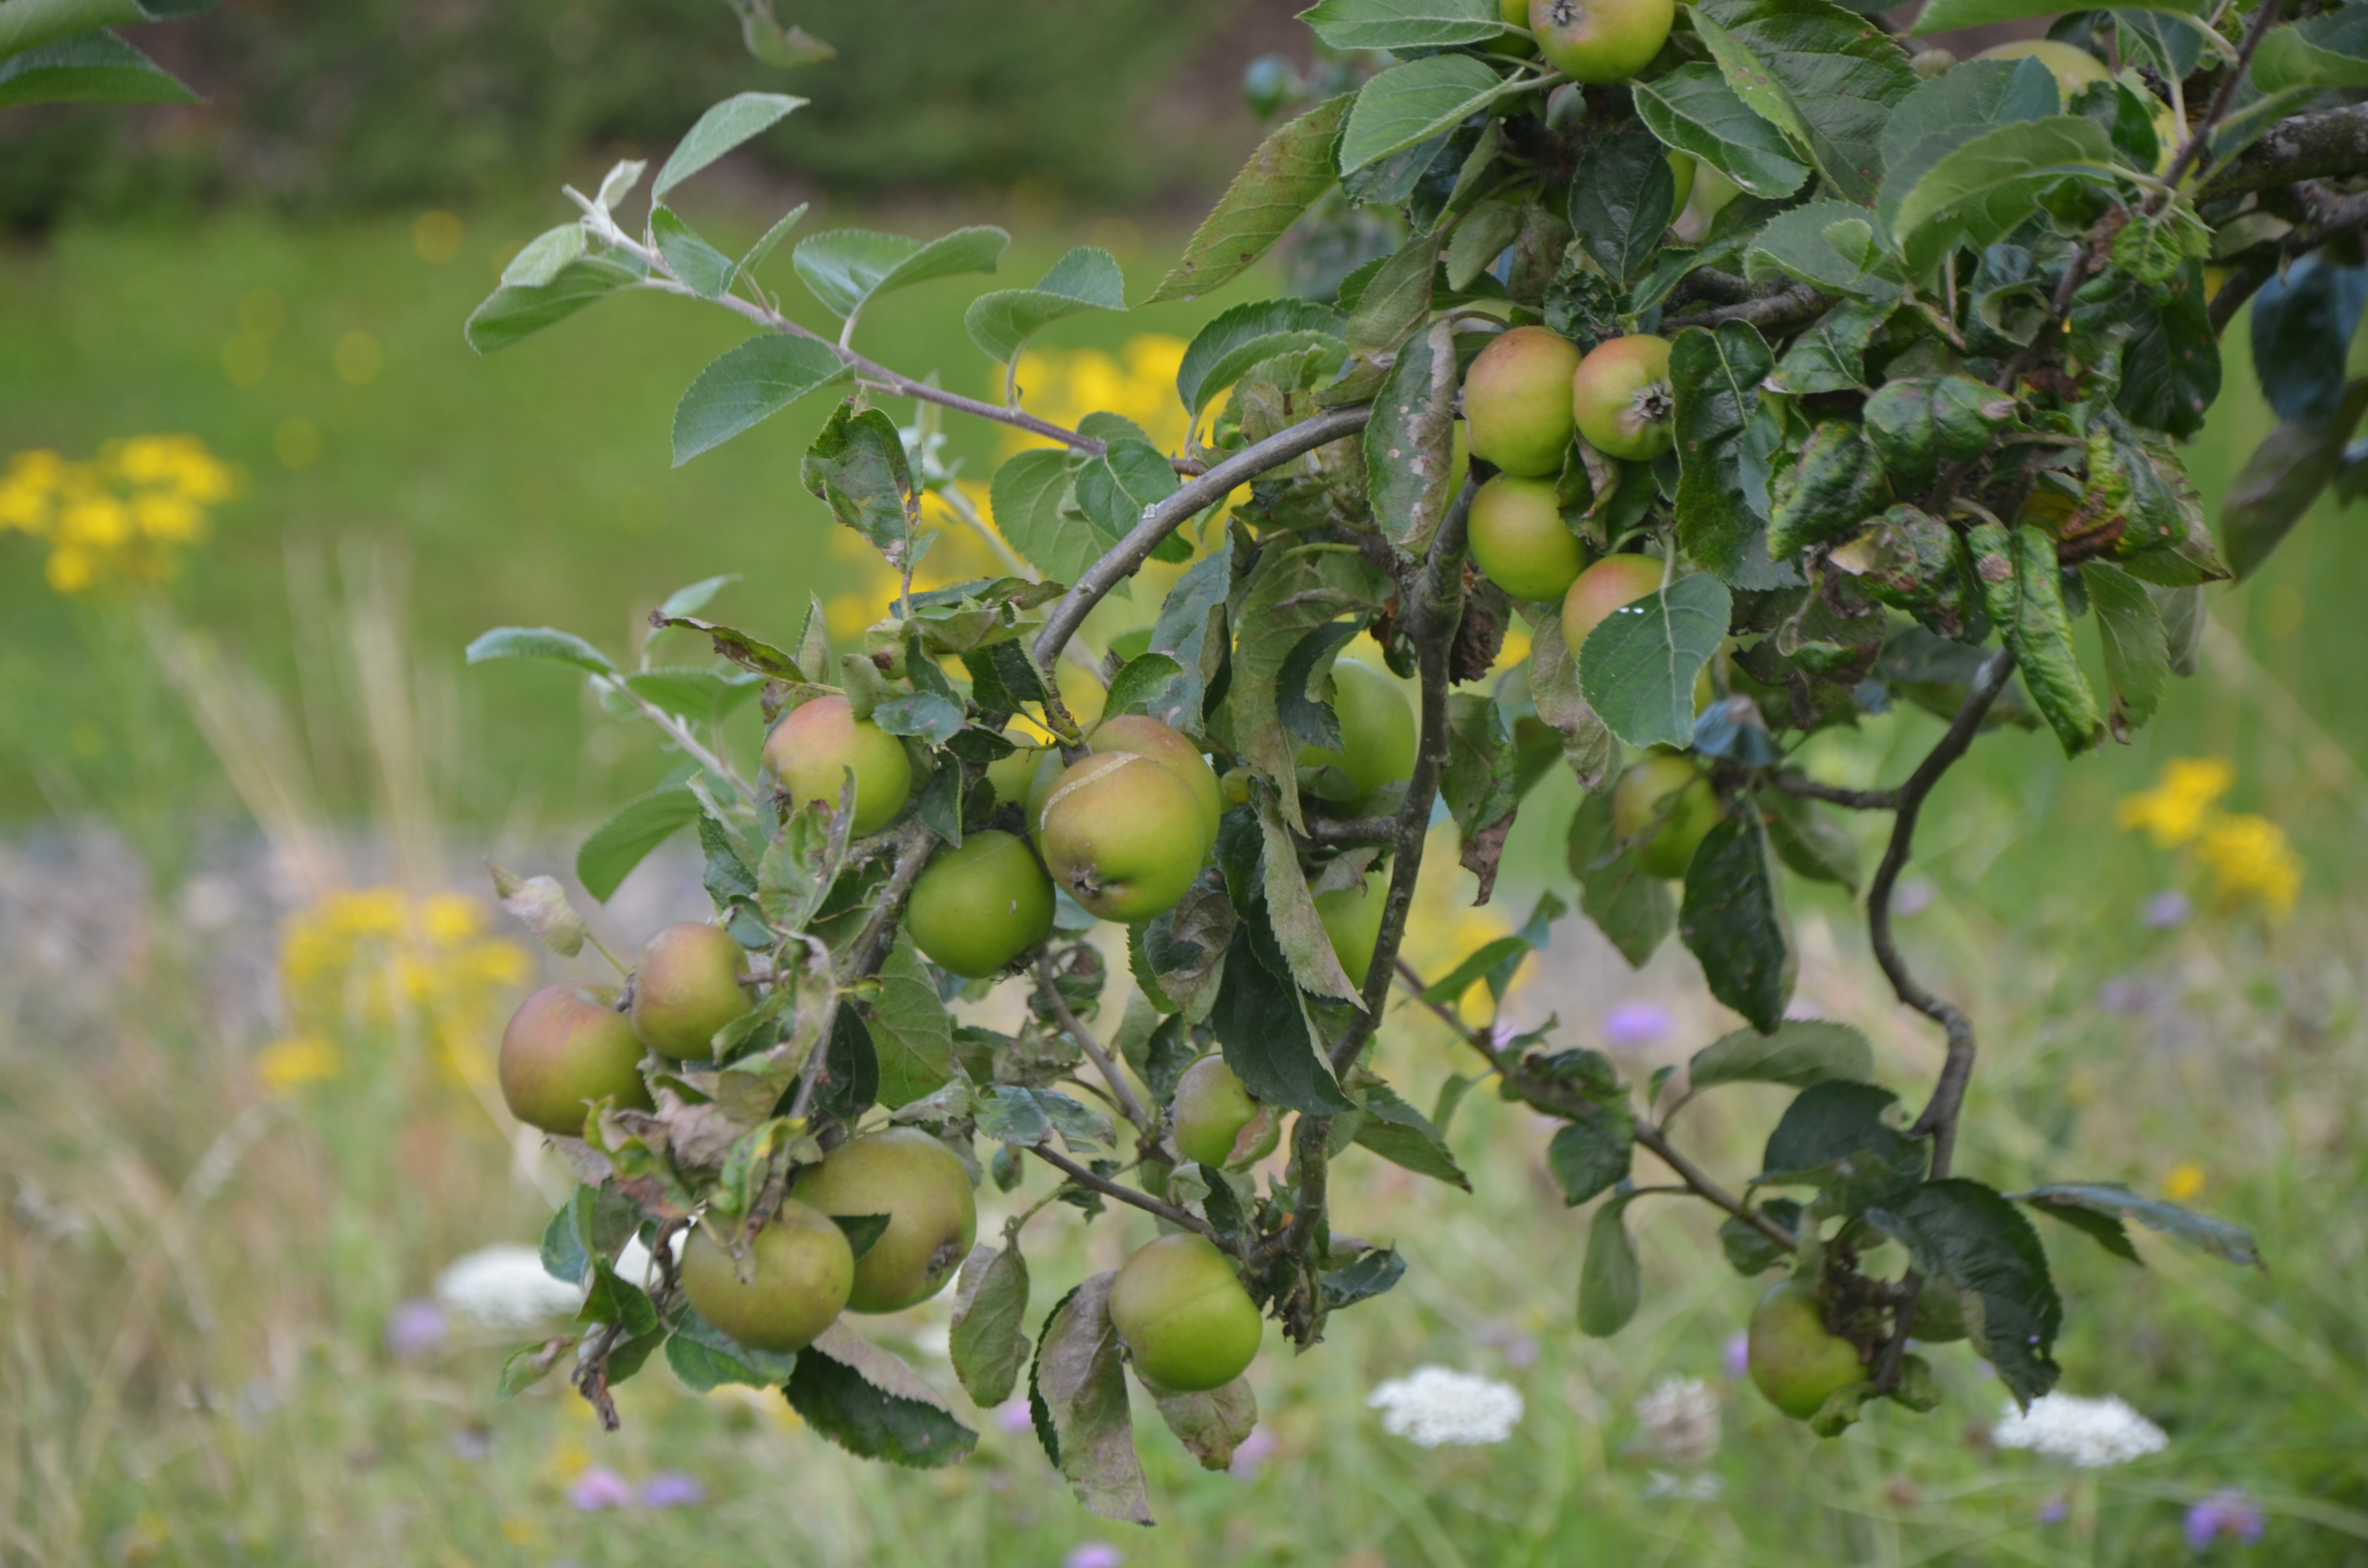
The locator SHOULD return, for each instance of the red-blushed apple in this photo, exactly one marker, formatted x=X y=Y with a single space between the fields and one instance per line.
x=565 y=1047
x=814 y=744
x=690 y=981
x=908 y=1175
x=1620 y=397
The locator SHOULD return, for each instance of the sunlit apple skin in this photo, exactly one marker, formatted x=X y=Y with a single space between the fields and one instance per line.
x=1601 y=41
x=1620 y=398
x=932 y=1216
x=1515 y=411
x=1377 y=733
x=1210 y=1110
x=804 y=1269
x=2075 y=68
x=1642 y=798
x=1123 y=835
x=1519 y=539
x=1352 y=918
x=1603 y=588
x=689 y=982
x=1172 y=750
x=567 y=1046
x=1186 y=1319
x=981 y=904
x=1793 y=1360
x=812 y=746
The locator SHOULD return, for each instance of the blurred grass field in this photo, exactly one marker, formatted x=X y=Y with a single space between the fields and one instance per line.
x=209 y=1244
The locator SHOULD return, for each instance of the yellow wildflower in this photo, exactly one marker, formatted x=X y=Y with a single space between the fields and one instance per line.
x=1138 y=384
x=2173 y=812
x=2184 y=1182
x=285 y=1065
x=365 y=959
x=120 y=518
x=2251 y=862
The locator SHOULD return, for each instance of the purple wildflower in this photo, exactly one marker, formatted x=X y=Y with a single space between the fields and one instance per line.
x=1632 y=1024
x=414 y=1327
x=1014 y=1417
x=1094 y=1554
x=2167 y=909
x=1911 y=898
x=1735 y=1357
x=597 y=1488
x=672 y=1489
x=1251 y=1452
x=2224 y=1515
x=2056 y=1510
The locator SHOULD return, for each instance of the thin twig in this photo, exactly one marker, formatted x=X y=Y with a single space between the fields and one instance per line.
x=916 y=839
x=1834 y=794
x=1350 y=832
x=1797 y=303
x=1123 y=1094
x=2195 y=145
x=1108 y=1188
x=2330 y=145
x=679 y=733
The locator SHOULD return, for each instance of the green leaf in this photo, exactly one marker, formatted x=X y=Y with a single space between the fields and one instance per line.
x=1291 y=909
x=1800 y=1052
x=1002 y=321
x=2137 y=655
x=1629 y=905
x=1836 y=1131
x=1026 y=495
x=1732 y=920
x=1591 y=1158
x=2230 y=1244
x=1403 y=1136
x=1952 y=108
x=92 y=67
x=699 y=267
x=1943 y=16
x=1154 y=684
x=1715 y=378
x=1290 y=168
x=611 y=1299
x=1352 y=25
x=639 y=826
x=1477 y=783
x=1409 y=103
x=1988 y=187
x=1823 y=77
x=720 y=130
x=989 y=1343
x=2286 y=472
x=1237 y=338
x=846 y=268
x=511 y=313
x=911 y=1033
x=2041 y=636
x=1693 y=109
x=1373 y=1274
x=28 y=24
x=870 y=1404
x=1970 y=1236
x=1611 y=1282
x=1830 y=356
x=1409 y=441
x=698 y=595
x=1621 y=202
x=858 y=466
x=1749 y=1251
x=1290 y=593
x=529 y=1365
x=798 y=867
x=1810 y=842
x=544 y=256
x=1115 y=489
x=2106 y=1229
x=1079 y=1387
x=2298 y=56
x=1396 y=299
x=749 y=385
x=701 y=696
x=707 y=1358
x=539 y=642
x=1590 y=750
x=1826 y=244
x=1638 y=667
x=1262 y=1022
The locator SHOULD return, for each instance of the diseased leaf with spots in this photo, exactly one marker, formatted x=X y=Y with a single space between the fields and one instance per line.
x=1290 y=168
x=1734 y=921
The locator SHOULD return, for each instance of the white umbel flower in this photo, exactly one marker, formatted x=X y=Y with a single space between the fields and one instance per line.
x=1680 y=1417
x=505 y=1287
x=1434 y=1407
x=2088 y=1433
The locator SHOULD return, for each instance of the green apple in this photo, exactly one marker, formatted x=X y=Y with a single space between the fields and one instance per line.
x=1514 y=14
x=1668 y=789
x=1211 y=1109
x=1123 y=834
x=1681 y=169
x=804 y=1271
x=1603 y=588
x=980 y=903
x=1620 y=398
x=932 y=1217
x=1600 y=41
x=565 y=1047
x=1517 y=411
x=814 y=744
x=1794 y=1360
x=1377 y=732
x=1186 y=1319
x=2075 y=68
x=1169 y=749
x=1710 y=196
x=1352 y=918
x=1520 y=540
x=690 y=981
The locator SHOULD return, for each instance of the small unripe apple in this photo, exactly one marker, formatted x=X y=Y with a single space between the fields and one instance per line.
x=1010 y=776
x=1682 y=170
x=1620 y=398
x=2075 y=68
x=804 y=1271
x=981 y=904
x=1519 y=539
x=1185 y=1317
x=814 y=744
x=1710 y=196
x=1517 y=410
x=1352 y=918
x=1172 y=750
x=1514 y=14
x=932 y=1217
x=1600 y=41
x=1124 y=835
x=1794 y=1360
x=1377 y=732
x=565 y=1047
x=1603 y=588
x=1210 y=1109
x=690 y=981
x=1670 y=791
